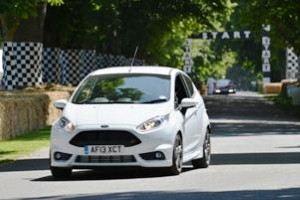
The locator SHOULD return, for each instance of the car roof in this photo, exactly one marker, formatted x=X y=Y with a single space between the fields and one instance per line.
x=137 y=70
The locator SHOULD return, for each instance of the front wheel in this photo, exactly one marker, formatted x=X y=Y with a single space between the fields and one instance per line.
x=205 y=160
x=61 y=172
x=177 y=160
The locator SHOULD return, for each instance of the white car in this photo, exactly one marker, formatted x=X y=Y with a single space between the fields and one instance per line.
x=131 y=116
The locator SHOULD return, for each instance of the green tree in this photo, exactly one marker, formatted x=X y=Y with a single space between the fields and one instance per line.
x=250 y=15
x=283 y=16
x=209 y=63
x=23 y=20
x=159 y=28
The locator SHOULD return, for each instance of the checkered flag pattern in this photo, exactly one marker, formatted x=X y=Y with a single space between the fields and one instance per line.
x=292 y=64
x=51 y=68
x=22 y=64
x=87 y=62
x=116 y=60
x=126 y=62
x=28 y=64
x=99 y=61
x=106 y=60
x=70 y=66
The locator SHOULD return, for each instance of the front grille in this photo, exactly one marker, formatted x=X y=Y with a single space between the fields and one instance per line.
x=106 y=137
x=105 y=159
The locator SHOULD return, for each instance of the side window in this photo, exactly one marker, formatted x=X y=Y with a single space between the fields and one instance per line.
x=180 y=91
x=189 y=84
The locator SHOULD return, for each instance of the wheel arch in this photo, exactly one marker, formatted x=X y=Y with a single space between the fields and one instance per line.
x=180 y=134
x=209 y=128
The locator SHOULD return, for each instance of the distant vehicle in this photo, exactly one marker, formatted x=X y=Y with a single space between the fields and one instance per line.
x=131 y=116
x=225 y=86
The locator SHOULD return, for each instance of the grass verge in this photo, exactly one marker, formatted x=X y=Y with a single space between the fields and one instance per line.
x=23 y=145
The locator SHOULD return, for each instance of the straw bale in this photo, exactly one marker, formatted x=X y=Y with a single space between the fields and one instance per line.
x=30 y=109
x=22 y=112
x=272 y=88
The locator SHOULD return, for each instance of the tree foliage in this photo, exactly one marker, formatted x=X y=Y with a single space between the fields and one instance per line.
x=251 y=15
x=12 y=12
x=207 y=62
x=159 y=28
x=283 y=16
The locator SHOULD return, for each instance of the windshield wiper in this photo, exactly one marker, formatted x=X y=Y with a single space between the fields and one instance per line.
x=116 y=102
x=155 y=101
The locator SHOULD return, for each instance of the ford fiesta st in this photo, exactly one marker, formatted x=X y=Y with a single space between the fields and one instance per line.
x=131 y=116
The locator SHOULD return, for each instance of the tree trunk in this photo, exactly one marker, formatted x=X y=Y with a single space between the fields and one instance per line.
x=9 y=27
x=31 y=29
x=51 y=34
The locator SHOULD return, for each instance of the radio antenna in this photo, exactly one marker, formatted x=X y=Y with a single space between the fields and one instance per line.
x=132 y=61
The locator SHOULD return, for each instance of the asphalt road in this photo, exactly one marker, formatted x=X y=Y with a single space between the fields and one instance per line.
x=256 y=155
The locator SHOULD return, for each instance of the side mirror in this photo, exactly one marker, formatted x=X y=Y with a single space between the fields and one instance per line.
x=188 y=103
x=60 y=104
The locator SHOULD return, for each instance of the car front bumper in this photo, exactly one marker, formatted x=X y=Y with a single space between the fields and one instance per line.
x=224 y=91
x=158 y=140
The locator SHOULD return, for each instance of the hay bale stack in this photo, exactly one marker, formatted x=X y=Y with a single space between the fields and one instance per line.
x=21 y=112
x=272 y=88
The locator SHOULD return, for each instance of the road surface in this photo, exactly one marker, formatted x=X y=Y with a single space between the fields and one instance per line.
x=256 y=155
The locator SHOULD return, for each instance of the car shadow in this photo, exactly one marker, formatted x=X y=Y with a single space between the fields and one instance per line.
x=112 y=174
x=109 y=173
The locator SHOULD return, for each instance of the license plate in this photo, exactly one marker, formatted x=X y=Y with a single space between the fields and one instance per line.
x=103 y=149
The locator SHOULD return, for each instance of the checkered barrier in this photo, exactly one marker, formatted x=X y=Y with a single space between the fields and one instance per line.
x=292 y=64
x=99 y=61
x=138 y=62
x=70 y=66
x=104 y=60
x=76 y=64
x=28 y=64
x=22 y=63
x=87 y=62
x=51 y=68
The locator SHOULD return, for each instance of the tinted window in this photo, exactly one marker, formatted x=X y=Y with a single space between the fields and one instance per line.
x=189 y=85
x=180 y=91
x=223 y=82
x=124 y=88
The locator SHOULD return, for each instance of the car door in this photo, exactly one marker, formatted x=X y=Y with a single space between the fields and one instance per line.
x=188 y=114
x=196 y=126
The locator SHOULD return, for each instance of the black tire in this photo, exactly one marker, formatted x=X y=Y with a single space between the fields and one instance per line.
x=61 y=172
x=205 y=160
x=177 y=160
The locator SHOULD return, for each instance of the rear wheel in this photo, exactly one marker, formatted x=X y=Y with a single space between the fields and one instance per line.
x=61 y=172
x=205 y=160
x=177 y=157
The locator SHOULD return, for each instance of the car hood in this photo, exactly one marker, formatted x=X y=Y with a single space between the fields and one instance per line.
x=108 y=114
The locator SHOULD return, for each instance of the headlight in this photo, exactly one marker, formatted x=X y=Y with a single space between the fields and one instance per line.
x=66 y=124
x=152 y=123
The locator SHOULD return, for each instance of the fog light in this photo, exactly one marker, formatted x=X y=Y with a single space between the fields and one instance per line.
x=59 y=156
x=158 y=155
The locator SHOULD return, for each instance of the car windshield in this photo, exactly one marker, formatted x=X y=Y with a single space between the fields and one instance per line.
x=223 y=83
x=123 y=88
